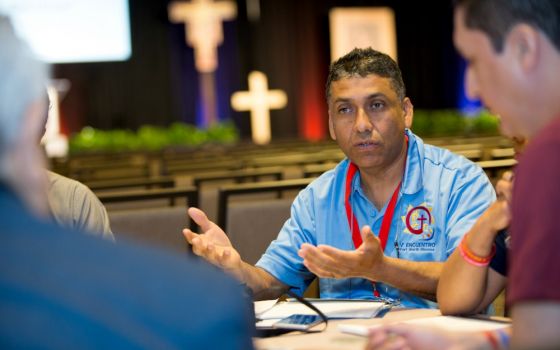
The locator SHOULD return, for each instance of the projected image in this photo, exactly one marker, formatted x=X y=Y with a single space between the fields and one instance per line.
x=63 y=31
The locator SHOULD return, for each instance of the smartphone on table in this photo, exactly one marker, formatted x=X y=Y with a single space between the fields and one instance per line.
x=298 y=322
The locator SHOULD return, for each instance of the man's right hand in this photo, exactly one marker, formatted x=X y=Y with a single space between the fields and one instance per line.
x=498 y=215
x=504 y=187
x=213 y=244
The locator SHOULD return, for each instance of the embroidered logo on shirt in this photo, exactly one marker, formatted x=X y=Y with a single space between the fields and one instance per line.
x=419 y=221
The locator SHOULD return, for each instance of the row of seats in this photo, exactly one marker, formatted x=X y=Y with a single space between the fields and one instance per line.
x=157 y=215
x=251 y=203
x=249 y=211
x=126 y=165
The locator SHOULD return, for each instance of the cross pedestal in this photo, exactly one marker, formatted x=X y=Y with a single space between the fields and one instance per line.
x=203 y=31
x=259 y=100
x=207 y=88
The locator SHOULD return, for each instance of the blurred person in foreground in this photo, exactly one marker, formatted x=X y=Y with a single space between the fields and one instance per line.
x=64 y=290
x=513 y=52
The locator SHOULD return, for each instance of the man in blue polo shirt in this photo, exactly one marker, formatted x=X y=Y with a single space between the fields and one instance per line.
x=382 y=222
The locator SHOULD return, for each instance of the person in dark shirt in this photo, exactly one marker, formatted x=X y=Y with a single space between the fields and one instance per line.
x=512 y=48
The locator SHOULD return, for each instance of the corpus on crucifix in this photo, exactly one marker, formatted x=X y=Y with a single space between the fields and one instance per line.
x=203 y=31
x=259 y=100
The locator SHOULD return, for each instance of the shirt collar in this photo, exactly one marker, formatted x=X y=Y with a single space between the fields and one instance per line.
x=413 y=174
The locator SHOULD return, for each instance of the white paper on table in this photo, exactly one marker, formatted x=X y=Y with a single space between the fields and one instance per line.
x=447 y=323
x=263 y=305
x=332 y=308
x=452 y=323
x=266 y=323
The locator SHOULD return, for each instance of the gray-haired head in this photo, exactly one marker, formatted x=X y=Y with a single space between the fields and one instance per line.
x=23 y=80
x=496 y=17
x=363 y=62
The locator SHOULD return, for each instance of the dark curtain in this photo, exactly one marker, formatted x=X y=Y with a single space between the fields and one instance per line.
x=289 y=43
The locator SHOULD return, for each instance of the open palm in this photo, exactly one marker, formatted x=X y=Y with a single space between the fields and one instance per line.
x=212 y=244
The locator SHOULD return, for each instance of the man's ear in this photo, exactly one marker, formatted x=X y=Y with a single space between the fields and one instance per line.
x=331 y=126
x=522 y=43
x=408 y=109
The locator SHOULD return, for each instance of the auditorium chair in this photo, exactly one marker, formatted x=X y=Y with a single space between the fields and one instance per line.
x=252 y=224
x=159 y=225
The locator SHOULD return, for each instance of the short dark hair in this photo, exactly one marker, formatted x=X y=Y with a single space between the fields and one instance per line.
x=363 y=62
x=496 y=17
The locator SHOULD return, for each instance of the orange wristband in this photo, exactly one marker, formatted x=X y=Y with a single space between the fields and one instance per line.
x=471 y=257
x=492 y=340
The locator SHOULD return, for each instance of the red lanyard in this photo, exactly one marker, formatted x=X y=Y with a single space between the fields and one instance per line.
x=353 y=222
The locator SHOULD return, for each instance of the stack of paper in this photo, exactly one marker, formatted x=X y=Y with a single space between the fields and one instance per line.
x=269 y=312
x=332 y=308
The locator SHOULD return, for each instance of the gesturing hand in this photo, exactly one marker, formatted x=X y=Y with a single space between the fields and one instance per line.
x=498 y=215
x=213 y=244
x=330 y=262
x=504 y=187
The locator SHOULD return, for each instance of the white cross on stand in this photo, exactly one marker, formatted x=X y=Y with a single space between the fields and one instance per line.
x=259 y=100
x=203 y=31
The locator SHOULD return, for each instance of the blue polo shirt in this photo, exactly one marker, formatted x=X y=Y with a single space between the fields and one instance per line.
x=441 y=196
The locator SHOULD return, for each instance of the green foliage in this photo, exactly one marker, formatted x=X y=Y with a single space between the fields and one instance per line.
x=151 y=138
x=426 y=123
x=485 y=123
x=438 y=123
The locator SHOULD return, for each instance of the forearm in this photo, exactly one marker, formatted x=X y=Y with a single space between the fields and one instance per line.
x=419 y=278
x=461 y=286
x=262 y=284
x=480 y=238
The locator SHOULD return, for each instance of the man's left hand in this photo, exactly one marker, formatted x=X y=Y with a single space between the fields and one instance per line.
x=328 y=262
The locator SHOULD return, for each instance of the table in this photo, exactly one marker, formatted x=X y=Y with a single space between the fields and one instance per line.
x=332 y=338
